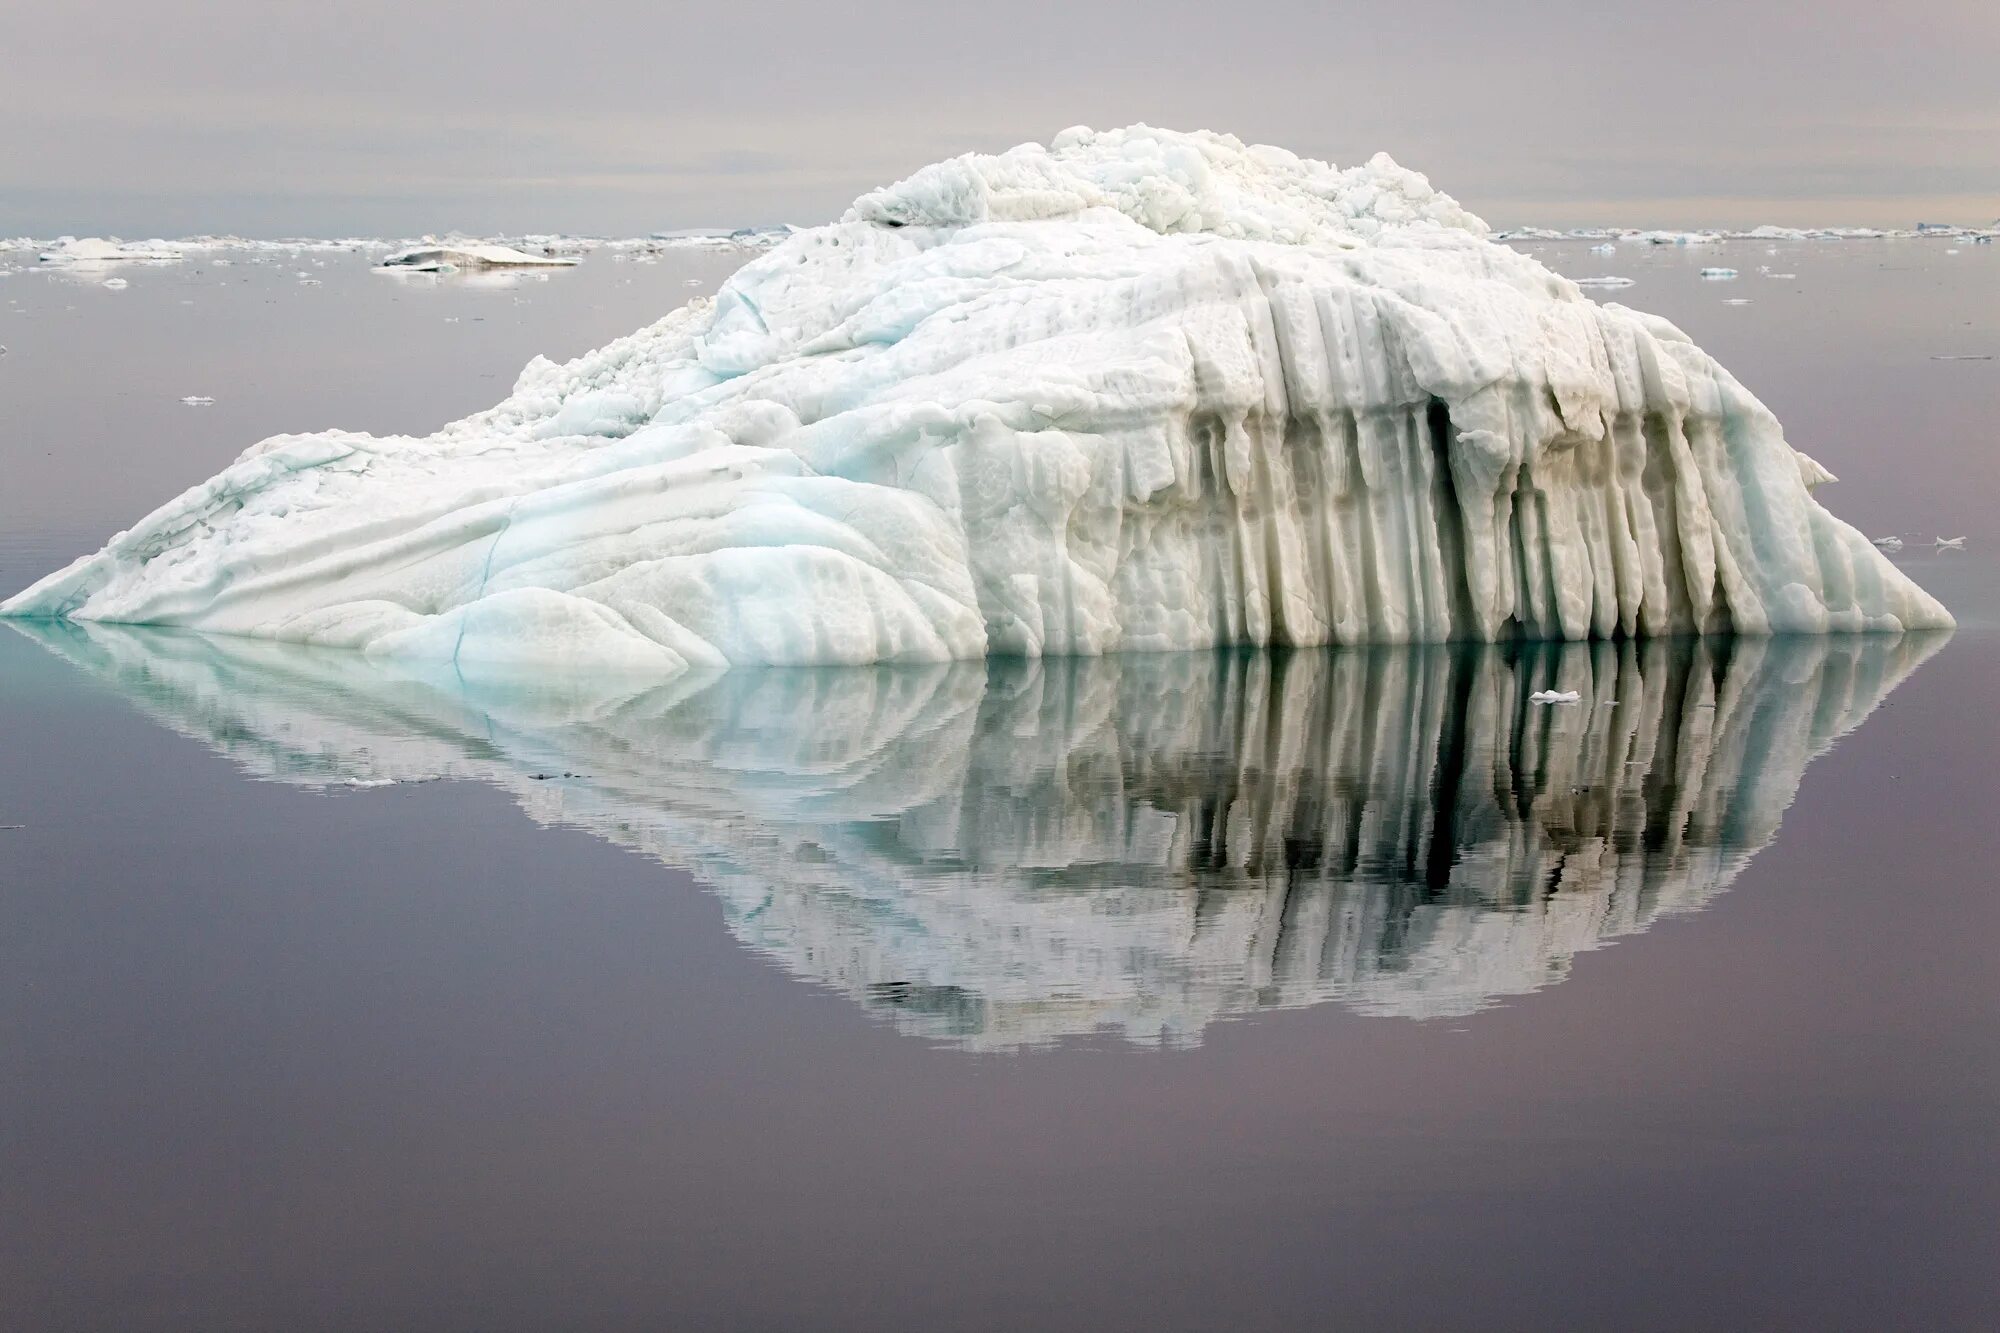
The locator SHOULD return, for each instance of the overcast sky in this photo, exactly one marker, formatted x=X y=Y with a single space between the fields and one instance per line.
x=620 y=116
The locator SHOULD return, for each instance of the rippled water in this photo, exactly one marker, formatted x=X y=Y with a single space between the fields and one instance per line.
x=1183 y=991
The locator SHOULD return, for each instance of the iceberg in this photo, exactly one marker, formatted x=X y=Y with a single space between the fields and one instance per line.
x=434 y=258
x=94 y=250
x=1134 y=389
x=1004 y=854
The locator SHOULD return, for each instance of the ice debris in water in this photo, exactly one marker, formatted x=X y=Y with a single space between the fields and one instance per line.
x=1737 y=300
x=1554 y=697
x=198 y=400
x=1604 y=282
x=1891 y=543
x=1950 y=543
x=1132 y=390
x=116 y=284
x=1718 y=274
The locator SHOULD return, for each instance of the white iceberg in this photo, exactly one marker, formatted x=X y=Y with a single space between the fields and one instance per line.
x=1135 y=390
x=1608 y=280
x=92 y=250
x=433 y=258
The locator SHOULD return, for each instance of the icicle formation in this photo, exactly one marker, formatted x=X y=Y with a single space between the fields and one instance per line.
x=1136 y=390
x=1003 y=854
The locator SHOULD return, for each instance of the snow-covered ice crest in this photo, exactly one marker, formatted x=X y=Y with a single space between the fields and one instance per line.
x=1133 y=390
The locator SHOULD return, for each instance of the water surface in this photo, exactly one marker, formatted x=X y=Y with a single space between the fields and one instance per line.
x=1235 y=989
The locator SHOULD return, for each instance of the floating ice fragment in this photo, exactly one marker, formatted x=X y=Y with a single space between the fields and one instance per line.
x=116 y=284
x=1950 y=543
x=1554 y=697
x=436 y=258
x=1605 y=249
x=1718 y=274
x=1890 y=543
x=198 y=400
x=1737 y=300
x=1781 y=275
x=1979 y=356
x=96 y=250
x=1607 y=281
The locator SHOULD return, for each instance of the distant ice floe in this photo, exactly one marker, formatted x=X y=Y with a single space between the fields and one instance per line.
x=1639 y=236
x=1607 y=281
x=435 y=258
x=97 y=250
x=1719 y=274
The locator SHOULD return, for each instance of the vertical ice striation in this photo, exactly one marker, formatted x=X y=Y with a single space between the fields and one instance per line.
x=1008 y=853
x=1134 y=390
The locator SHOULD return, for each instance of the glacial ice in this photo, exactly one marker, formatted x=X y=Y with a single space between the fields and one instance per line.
x=1001 y=854
x=95 y=250
x=432 y=258
x=1134 y=390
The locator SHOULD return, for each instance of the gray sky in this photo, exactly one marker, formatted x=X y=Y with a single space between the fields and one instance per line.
x=168 y=117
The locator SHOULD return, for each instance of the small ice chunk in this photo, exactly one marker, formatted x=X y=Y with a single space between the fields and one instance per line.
x=1554 y=697
x=1950 y=543
x=116 y=284
x=1977 y=357
x=1890 y=543
x=1781 y=275
x=1606 y=281
x=1718 y=274
x=198 y=400
x=1737 y=300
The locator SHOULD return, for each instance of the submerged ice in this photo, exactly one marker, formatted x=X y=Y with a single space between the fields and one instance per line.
x=1136 y=389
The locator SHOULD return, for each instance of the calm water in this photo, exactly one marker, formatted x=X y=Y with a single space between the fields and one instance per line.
x=1189 y=991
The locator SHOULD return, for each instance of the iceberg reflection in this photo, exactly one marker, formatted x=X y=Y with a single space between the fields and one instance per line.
x=1006 y=853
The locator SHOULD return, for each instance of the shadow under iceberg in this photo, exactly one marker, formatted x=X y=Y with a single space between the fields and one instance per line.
x=1006 y=853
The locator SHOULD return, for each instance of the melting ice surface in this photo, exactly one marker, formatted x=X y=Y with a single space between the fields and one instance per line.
x=1135 y=389
x=1008 y=853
